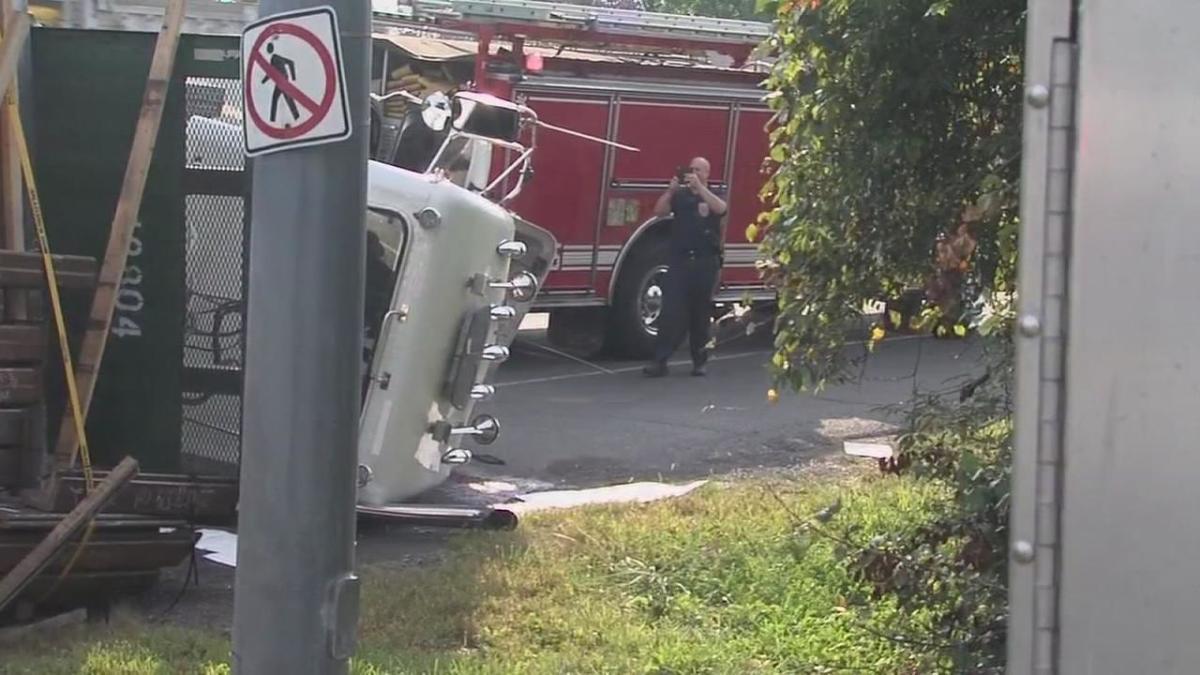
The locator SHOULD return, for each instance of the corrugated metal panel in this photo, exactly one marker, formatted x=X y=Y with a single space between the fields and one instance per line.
x=425 y=46
x=431 y=48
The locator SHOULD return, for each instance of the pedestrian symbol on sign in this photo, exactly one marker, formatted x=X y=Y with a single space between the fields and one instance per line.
x=293 y=84
x=287 y=68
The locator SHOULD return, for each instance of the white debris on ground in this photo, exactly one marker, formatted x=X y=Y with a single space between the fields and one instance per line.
x=869 y=450
x=854 y=428
x=629 y=493
x=218 y=546
x=871 y=439
x=521 y=497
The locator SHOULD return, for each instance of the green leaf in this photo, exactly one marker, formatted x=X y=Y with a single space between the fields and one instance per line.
x=969 y=463
x=939 y=8
x=991 y=183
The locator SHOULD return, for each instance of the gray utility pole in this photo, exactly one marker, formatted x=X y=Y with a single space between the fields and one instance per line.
x=296 y=596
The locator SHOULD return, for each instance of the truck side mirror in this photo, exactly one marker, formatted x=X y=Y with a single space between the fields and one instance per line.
x=486 y=116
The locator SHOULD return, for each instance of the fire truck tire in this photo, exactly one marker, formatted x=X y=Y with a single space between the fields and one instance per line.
x=637 y=305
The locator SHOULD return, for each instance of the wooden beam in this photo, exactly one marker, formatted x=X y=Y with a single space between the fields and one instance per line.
x=12 y=199
x=91 y=352
x=20 y=387
x=15 y=581
x=22 y=343
x=14 y=427
x=27 y=271
x=16 y=32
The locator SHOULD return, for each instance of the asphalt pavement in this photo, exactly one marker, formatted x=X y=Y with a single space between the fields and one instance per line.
x=576 y=422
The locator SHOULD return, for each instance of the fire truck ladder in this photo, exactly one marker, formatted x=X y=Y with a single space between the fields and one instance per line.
x=608 y=21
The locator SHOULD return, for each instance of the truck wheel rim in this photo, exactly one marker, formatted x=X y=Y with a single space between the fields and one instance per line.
x=650 y=301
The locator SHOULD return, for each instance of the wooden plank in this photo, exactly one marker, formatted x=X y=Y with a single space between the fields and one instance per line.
x=211 y=500
x=105 y=522
x=22 y=343
x=36 y=301
x=15 y=35
x=71 y=524
x=12 y=307
x=29 y=260
x=108 y=552
x=20 y=386
x=26 y=270
x=91 y=353
x=18 y=516
x=12 y=198
x=24 y=278
x=10 y=465
x=13 y=427
x=16 y=440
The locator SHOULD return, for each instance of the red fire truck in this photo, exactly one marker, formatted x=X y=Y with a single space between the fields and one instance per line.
x=673 y=87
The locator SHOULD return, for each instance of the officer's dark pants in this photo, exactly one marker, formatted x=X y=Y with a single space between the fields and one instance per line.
x=687 y=305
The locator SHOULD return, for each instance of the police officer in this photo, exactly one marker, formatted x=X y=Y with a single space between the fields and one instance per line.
x=696 y=235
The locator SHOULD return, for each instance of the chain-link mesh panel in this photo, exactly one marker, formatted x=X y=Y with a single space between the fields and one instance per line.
x=214 y=132
x=214 y=333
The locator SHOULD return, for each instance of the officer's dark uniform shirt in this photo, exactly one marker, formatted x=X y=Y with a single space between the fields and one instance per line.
x=696 y=230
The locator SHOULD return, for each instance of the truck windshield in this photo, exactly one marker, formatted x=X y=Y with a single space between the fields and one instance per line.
x=466 y=162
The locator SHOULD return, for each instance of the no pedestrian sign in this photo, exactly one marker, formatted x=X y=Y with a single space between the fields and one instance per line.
x=293 y=83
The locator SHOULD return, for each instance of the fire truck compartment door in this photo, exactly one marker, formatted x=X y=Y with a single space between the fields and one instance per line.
x=670 y=134
x=564 y=191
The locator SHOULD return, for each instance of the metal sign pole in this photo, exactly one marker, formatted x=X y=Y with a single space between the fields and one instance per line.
x=296 y=602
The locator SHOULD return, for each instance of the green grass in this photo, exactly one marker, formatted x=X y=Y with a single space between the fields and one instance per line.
x=722 y=581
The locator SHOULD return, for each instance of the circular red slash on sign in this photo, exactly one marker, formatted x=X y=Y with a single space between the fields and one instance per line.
x=317 y=109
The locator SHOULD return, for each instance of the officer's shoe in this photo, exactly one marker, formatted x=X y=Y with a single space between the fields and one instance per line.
x=699 y=370
x=655 y=369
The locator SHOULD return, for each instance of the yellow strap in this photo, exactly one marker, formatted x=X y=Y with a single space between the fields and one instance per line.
x=35 y=205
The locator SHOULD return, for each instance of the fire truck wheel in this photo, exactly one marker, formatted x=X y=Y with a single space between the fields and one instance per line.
x=637 y=306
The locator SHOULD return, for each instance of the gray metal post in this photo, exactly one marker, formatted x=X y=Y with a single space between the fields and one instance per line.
x=295 y=606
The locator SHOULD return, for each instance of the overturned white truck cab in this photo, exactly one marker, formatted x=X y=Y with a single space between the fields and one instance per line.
x=451 y=274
